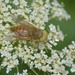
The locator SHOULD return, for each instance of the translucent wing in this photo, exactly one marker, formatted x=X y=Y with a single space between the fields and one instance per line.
x=26 y=30
x=20 y=20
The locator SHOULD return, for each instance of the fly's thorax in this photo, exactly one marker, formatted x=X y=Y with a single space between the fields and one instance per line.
x=37 y=34
x=44 y=36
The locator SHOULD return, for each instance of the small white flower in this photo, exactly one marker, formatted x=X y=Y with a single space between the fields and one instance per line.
x=16 y=2
x=13 y=11
x=37 y=55
x=24 y=3
x=7 y=1
x=2 y=27
x=16 y=62
x=4 y=64
x=49 y=61
x=52 y=28
x=6 y=54
x=9 y=7
x=43 y=68
x=1 y=21
x=25 y=72
x=27 y=10
x=31 y=65
x=41 y=46
x=73 y=68
x=17 y=73
x=4 y=8
x=18 y=11
x=8 y=70
x=38 y=65
x=7 y=25
x=69 y=61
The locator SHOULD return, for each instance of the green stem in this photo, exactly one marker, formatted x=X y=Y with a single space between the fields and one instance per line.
x=34 y=71
x=44 y=74
x=48 y=73
x=17 y=68
x=0 y=68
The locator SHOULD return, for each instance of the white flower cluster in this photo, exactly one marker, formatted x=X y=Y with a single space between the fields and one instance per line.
x=42 y=57
x=69 y=58
x=40 y=12
x=58 y=11
x=55 y=34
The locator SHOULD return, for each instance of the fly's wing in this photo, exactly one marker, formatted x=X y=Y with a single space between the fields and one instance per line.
x=25 y=29
x=20 y=20
x=23 y=32
x=22 y=35
x=17 y=19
